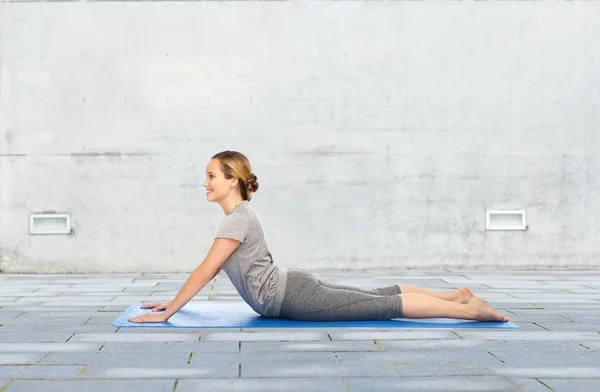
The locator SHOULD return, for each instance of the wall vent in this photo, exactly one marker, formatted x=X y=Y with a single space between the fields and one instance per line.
x=506 y=220
x=50 y=224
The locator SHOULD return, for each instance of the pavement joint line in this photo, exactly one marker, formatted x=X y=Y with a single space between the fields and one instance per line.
x=6 y=386
x=513 y=383
x=69 y=338
x=190 y=358
x=200 y=337
x=397 y=370
x=344 y=384
x=44 y=357
x=583 y=345
x=544 y=384
x=117 y=330
x=175 y=385
x=239 y=347
x=541 y=326
x=377 y=344
x=456 y=333
x=336 y=357
x=81 y=371
x=101 y=347
x=560 y=315
x=240 y=370
x=329 y=336
x=510 y=295
x=87 y=321
x=495 y=356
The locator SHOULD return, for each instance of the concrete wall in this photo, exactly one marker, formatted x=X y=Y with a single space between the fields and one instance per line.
x=380 y=131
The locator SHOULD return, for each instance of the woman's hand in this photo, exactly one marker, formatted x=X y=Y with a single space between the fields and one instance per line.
x=149 y=318
x=157 y=306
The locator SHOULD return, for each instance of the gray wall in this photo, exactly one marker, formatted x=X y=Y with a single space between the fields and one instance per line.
x=380 y=131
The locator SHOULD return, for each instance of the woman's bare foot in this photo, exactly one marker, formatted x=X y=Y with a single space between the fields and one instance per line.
x=464 y=295
x=484 y=312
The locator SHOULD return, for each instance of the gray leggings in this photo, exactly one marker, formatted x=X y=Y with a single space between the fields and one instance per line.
x=310 y=299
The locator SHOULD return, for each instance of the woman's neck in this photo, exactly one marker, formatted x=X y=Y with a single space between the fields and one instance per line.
x=229 y=205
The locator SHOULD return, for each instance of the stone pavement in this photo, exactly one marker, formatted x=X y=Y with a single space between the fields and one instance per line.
x=56 y=335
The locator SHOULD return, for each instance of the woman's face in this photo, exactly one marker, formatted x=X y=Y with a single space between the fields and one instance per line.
x=217 y=186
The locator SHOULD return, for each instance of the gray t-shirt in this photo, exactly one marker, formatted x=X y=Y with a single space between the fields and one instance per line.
x=250 y=267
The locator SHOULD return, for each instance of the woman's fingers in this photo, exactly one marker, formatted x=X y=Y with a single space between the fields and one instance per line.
x=136 y=319
x=147 y=306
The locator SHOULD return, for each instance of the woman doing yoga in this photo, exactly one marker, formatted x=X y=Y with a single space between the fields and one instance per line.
x=241 y=251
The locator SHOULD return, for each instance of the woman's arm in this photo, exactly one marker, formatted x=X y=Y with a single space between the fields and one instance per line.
x=219 y=252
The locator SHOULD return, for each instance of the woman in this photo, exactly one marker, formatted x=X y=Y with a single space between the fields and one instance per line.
x=241 y=251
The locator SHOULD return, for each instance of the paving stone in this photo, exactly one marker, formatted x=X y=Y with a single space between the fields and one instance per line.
x=49 y=372
x=572 y=385
x=112 y=359
x=254 y=370
x=539 y=318
x=91 y=385
x=134 y=337
x=151 y=348
x=20 y=358
x=34 y=318
x=357 y=345
x=393 y=335
x=580 y=358
x=222 y=370
x=526 y=335
x=418 y=357
x=479 y=345
x=578 y=327
x=12 y=337
x=540 y=372
x=265 y=359
x=47 y=347
x=58 y=328
x=443 y=369
x=331 y=384
x=442 y=384
x=23 y=294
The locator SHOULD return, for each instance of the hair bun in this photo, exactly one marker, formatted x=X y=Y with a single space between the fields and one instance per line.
x=252 y=183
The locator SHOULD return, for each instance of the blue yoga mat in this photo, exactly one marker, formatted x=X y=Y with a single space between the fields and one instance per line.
x=240 y=315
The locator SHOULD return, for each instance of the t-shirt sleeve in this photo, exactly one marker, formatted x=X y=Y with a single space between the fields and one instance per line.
x=234 y=226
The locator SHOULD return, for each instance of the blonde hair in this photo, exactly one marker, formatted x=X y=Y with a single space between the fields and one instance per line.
x=235 y=165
